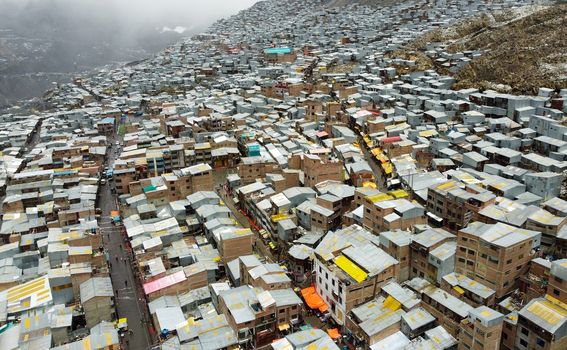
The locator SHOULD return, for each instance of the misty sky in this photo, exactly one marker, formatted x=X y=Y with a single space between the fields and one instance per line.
x=70 y=36
x=133 y=14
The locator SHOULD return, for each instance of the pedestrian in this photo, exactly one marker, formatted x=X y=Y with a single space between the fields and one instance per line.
x=126 y=283
x=116 y=257
x=131 y=332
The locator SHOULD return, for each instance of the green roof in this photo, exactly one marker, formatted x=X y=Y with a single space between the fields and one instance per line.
x=149 y=188
x=277 y=50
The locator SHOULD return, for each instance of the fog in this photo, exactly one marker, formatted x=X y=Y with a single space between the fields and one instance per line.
x=127 y=15
x=56 y=38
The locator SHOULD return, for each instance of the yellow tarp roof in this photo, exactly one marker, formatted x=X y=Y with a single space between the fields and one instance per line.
x=279 y=217
x=459 y=290
x=382 y=158
x=398 y=193
x=379 y=197
x=447 y=185
x=427 y=133
x=350 y=268
x=392 y=304
x=369 y=184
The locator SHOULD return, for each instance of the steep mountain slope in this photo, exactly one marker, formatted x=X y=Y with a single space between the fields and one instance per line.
x=337 y=3
x=522 y=49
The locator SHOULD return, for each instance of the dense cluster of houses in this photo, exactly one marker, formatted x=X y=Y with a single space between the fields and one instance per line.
x=281 y=185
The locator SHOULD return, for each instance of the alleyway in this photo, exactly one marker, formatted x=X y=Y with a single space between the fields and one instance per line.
x=130 y=301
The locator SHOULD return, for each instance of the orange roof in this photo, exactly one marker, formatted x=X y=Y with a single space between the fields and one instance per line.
x=313 y=300
x=307 y=291
x=334 y=333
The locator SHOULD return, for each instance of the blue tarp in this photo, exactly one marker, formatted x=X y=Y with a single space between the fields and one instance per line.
x=107 y=120
x=253 y=149
x=149 y=188
x=277 y=50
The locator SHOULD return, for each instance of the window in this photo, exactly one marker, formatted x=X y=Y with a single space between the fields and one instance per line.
x=508 y=261
x=523 y=343
x=540 y=342
x=525 y=331
x=281 y=311
x=556 y=292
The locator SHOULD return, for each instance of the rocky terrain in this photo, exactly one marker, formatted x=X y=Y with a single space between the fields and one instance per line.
x=522 y=49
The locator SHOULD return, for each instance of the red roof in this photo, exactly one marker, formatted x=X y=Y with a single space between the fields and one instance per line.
x=391 y=139
x=164 y=282
x=322 y=134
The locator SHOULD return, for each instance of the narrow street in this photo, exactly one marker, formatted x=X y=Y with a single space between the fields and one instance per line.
x=378 y=177
x=260 y=247
x=130 y=301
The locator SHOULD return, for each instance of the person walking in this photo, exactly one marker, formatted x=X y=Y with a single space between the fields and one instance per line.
x=125 y=283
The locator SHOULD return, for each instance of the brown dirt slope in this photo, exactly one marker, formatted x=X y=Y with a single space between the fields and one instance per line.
x=525 y=48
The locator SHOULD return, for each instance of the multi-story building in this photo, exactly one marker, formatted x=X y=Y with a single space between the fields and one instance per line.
x=317 y=169
x=447 y=309
x=423 y=261
x=468 y=290
x=255 y=314
x=397 y=244
x=481 y=330
x=456 y=204
x=252 y=168
x=542 y=323
x=534 y=283
x=495 y=254
x=386 y=215
x=266 y=276
x=350 y=269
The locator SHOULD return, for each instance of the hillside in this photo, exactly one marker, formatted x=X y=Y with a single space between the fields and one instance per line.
x=522 y=49
x=337 y=3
